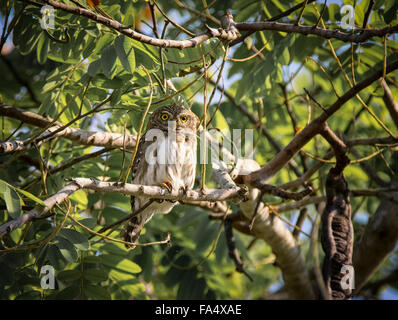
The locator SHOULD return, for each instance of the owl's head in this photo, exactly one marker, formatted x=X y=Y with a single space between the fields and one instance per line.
x=178 y=116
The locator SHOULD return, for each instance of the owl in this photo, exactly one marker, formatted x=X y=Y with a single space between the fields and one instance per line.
x=166 y=157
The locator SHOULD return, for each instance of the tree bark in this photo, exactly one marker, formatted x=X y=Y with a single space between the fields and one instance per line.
x=377 y=242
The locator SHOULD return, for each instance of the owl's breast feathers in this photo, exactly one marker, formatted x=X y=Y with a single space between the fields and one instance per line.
x=168 y=158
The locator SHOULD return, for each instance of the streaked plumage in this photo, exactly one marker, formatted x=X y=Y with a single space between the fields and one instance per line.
x=166 y=156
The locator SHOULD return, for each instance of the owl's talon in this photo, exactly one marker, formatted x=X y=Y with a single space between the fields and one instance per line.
x=167 y=185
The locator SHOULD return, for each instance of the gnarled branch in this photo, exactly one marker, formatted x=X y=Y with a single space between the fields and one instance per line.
x=337 y=231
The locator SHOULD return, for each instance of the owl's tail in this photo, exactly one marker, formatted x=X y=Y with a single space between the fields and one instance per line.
x=132 y=229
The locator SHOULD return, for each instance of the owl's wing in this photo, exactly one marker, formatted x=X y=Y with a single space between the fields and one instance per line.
x=133 y=227
x=138 y=164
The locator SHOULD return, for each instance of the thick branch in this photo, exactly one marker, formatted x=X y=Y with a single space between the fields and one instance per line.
x=337 y=231
x=128 y=189
x=281 y=240
x=338 y=146
x=377 y=242
x=273 y=231
x=103 y=139
x=159 y=192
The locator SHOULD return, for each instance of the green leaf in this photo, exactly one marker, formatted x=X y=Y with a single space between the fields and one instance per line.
x=128 y=19
x=145 y=260
x=66 y=248
x=125 y=51
x=221 y=251
x=26 y=33
x=134 y=288
x=15 y=235
x=31 y=197
x=116 y=95
x=103 y=42
x=76 y=238
x=334 y=12
x=96 y=94
x=96 y=293
x=190 y=286
x=220 y=122
x=68 y=275
x=12 y=200
x=50 y=85
x=144 y=56
x=92 y=259
x=94 y=67
x=95 y=275
x=205 y=234
x=120 y=263
x=46 y=104
x=284 y=57
x=390 y=11
x=112 y=248
x=108 y=62
x=54 y=256
x=120 y=275
x=68 y=293
x=80 y=197
x=3 y=186
x=89 y=47
x=42 y=48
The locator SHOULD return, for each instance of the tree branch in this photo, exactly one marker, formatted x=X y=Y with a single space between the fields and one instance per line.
x=127 y=189
x=314 y=127
x=337 y=231
x=243 y=109
x=102 y=139
x=281 y=240
x=273 y=231
x=391 y=104
x=310 y=30
x=159 y=192
x=217 y=33
x=377 y=242
x=55 y=199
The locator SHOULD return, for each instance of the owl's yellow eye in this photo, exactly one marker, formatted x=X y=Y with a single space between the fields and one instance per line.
x=183 y=118
x=164 y=116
